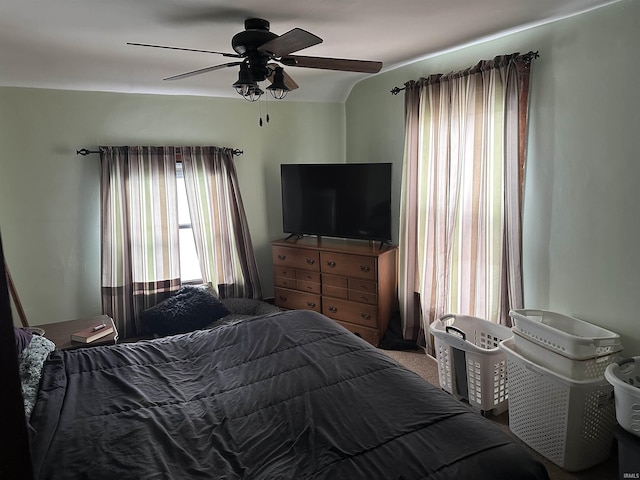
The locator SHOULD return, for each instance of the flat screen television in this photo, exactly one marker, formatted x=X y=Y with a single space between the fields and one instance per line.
x=345 y=200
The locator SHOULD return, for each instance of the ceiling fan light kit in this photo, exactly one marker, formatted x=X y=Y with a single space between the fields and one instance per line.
x=264 y=52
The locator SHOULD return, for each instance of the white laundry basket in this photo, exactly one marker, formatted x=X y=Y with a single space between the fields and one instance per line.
x=586 y=369
x=625 y=378
x=568 y=336
x=471 y=365
x=570 y=422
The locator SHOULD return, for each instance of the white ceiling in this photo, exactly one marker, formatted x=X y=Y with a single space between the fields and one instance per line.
x=81 y=44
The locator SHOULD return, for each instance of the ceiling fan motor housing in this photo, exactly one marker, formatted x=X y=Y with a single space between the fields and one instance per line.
x=256 y=33
x=246 y=43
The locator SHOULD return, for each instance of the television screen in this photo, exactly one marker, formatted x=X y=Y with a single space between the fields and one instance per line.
x=345 y=200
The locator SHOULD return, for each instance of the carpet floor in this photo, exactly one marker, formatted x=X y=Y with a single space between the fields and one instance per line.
x=427 y=367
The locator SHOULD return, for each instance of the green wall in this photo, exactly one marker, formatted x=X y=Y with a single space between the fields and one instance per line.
x=582 y=201
x=49 y=196
x=581 y=214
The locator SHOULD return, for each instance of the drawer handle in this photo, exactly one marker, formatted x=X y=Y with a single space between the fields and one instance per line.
x=331 y=264
x=311 y=304
x=310 y=261
x=366 y=316
x=282 y=257
x=282 y=298
x=333 y=309
x=364 y=268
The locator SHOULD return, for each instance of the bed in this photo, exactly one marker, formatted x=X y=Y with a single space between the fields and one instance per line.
x=286 y=395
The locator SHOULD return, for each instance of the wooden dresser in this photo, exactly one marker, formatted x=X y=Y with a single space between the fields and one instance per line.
x=353 y=282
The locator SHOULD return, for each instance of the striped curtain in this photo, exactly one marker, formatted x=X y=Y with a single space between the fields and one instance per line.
x=140 y=255
x=223 y=243
x=140 y=239
x=460 y=238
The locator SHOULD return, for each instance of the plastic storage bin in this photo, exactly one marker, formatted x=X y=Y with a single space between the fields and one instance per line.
x=625 y=378
x=588 y=369
x=568 y=421
x=471 y=365
x=566 y=335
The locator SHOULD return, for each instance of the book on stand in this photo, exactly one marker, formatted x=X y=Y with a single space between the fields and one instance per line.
x=91 y=334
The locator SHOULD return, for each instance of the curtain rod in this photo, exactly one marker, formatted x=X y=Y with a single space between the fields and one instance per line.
x=85 y=152
x=527 y=57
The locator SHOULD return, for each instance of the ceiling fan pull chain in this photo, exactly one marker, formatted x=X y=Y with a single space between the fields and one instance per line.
x=266 y=102
x=260 y=111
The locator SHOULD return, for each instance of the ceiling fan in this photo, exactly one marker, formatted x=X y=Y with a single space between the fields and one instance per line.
x=261 y=54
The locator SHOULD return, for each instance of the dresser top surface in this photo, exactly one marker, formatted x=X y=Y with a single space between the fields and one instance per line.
x=362 y=247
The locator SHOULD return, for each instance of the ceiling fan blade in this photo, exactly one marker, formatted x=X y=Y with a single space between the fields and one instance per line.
x=290 y=42
x=234 y=55
x=288 y=81
x=325 y=63
x=203 y=70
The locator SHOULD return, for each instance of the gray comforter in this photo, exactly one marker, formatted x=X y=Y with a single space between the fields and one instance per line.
x=289 y=395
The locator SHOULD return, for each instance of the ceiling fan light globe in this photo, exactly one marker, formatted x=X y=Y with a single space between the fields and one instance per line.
x=253 y=93
x=278 y=93
x=252 y=98
x=242 y=89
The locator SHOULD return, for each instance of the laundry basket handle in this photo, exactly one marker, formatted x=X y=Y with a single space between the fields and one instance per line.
x=456 y=331
x=624 y=361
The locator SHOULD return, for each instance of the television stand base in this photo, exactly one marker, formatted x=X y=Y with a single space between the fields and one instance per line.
x=297 y=235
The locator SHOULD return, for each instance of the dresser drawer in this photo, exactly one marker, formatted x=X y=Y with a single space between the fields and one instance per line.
x=353 y=312
x=336 y=292
x=335 y=280
x=285 y=282
x=279 y=271
x=304 y=286
x=363 y=297
x=335 y=286
x=308 y=276
x=350 y=265
x=369 y=335
x=296 y=258
x=293 y=300
x=363 y=285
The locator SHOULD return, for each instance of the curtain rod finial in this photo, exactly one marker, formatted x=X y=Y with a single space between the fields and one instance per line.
x=85 y=151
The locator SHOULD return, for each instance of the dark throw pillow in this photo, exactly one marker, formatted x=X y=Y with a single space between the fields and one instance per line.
x=191 y=308
x=23 y=338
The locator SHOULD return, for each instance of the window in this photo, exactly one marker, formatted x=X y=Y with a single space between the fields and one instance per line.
x=189 y=266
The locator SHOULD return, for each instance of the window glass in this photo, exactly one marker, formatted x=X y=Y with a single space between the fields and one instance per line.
x=189 y=267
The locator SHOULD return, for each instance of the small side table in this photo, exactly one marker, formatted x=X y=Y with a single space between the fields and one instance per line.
x=60 y=332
